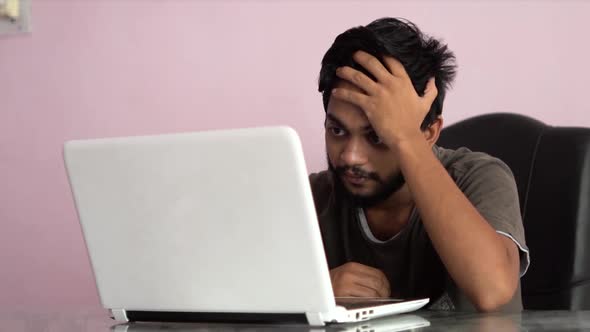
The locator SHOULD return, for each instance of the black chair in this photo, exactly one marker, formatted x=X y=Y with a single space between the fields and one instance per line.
x=552 y=170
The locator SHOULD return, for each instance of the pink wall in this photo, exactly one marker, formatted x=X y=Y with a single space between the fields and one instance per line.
x=126 y=67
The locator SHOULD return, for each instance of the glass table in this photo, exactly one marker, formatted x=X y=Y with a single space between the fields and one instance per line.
x=97 y=320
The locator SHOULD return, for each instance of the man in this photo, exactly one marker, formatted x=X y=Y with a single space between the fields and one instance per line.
x=399 y=215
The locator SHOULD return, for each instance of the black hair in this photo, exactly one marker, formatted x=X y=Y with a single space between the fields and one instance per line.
x=422 y=56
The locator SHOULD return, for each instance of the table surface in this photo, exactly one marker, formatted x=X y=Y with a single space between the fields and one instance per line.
x=98 y=321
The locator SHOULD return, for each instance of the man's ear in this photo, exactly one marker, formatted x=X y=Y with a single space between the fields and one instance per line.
x=433 y=131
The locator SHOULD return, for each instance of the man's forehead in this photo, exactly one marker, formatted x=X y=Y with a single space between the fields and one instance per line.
x=349 y=118
x=347 y=114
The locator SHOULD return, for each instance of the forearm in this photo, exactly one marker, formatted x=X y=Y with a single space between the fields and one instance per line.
x=473 y=253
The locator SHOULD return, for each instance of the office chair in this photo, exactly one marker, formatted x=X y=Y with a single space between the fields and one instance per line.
x=551 y=166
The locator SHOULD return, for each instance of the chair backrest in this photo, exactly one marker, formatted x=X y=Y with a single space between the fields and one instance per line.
x=551 y=166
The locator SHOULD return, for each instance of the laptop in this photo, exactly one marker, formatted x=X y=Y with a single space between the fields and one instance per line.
x=208 y=226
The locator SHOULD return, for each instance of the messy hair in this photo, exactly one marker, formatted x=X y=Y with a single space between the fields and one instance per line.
x=422 y=56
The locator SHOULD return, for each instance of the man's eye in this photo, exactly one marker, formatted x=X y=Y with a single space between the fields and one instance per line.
x=374 y=138
x=337 y=131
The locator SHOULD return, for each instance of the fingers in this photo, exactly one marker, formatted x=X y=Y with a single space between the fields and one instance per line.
x=372 y=65
x=354 y=97
x=360 y=290
x=353 y=279
x=377 y=282
x=357 y=78
x=376 y=68
x=375 y=279
x=396 y=68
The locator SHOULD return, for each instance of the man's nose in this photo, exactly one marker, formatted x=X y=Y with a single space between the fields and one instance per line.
x=354 y=152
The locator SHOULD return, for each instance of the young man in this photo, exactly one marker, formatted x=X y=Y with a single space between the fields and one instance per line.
x=400 y=216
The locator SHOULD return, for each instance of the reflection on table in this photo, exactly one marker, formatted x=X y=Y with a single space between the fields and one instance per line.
x=393 y=323
x=96 y=320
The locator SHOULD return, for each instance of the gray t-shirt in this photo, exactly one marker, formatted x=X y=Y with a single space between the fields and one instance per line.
x=409 y=260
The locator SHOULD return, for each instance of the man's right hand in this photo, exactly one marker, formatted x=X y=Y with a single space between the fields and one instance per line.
x=358 y=280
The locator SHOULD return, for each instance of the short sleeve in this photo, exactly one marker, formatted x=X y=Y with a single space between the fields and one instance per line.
x=490 y=186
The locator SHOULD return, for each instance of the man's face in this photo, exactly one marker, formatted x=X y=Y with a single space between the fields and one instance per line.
x=364 y=167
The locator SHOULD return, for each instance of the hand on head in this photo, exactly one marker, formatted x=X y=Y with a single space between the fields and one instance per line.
x=390 y=102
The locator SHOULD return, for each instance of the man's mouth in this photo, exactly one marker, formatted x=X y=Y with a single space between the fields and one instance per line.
x=354 y=179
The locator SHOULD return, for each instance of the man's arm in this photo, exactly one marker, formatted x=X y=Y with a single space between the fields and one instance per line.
x=483 y=264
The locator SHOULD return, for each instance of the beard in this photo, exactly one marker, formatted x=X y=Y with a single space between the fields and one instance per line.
x=385 y=188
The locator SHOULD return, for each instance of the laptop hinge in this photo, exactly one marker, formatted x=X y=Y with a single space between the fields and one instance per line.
x=314 y=318
x=119 y=315
x=337 y=315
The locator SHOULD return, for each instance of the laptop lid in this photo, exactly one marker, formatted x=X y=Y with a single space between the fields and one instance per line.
x=218 y=221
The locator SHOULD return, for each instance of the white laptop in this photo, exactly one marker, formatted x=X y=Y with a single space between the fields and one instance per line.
x=207 y=226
